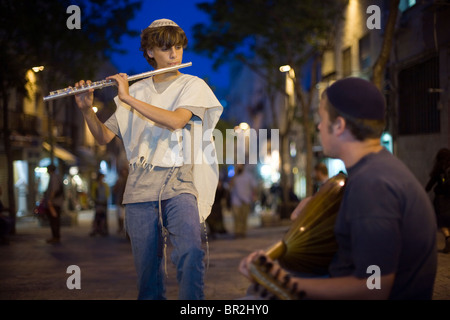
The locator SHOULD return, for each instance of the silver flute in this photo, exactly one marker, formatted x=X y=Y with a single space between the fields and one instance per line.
x=69 y=91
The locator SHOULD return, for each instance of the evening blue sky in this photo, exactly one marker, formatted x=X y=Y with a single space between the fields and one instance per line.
x=185 y=14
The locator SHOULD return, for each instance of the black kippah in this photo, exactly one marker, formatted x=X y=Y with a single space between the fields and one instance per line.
x=357 y=98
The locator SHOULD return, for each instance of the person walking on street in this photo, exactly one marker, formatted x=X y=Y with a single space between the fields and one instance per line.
x=118 y=190
x=385 y=228
x=320 y=176
x=440 y=180
x=243 y=187
x=171 y=186
x=100 y=194
x=215 y=219
x=54 y=196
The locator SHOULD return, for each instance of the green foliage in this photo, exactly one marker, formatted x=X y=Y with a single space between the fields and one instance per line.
x=276 y=31
x=35 y=33
x=266 y=34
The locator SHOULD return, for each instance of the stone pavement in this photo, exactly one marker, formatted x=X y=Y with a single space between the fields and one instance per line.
x=30 y=269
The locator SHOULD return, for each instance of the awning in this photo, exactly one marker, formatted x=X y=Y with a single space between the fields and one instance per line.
x=61 y=153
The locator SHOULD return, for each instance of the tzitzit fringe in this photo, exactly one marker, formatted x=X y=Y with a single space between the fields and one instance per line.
x=164 y=231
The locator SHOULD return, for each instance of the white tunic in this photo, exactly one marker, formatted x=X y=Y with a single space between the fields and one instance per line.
x=148 y=144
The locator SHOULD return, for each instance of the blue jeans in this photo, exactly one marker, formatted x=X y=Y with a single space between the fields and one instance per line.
x=181 y=218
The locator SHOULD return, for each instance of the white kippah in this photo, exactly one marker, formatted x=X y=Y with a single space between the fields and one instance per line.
x=162 y=23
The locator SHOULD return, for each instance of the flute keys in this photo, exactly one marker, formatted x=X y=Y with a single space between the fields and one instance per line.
x=105 y=83
x=81 y=88
x=66 y=90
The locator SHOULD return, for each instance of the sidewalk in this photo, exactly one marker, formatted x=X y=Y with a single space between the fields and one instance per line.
x=30 y=269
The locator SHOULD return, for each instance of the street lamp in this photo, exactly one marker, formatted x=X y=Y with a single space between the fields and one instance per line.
x=242 y=132
x=290 y=76
x=285 y=68
x=244 y=126
x=37 y=69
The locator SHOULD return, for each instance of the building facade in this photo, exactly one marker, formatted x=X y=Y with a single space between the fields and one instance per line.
x=416 y=83
x=42 y=133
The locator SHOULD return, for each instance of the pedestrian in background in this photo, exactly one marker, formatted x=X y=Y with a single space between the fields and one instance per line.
x=118 y=190
x=54 y=196
x=215 y=219
x=243 y=189
x=440 y=180
x=100 y=194
x=320 y=176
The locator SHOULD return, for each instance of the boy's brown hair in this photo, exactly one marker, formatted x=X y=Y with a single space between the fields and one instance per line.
x=162 y=37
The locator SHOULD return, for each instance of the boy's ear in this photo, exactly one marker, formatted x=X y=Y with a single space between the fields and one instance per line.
x=150 y=53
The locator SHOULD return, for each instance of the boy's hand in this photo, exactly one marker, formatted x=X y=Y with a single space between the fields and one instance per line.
x=122 y=85
x=86 y=99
